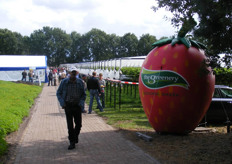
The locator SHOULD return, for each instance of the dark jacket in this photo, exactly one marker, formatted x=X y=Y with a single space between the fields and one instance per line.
x=24 y=74
x=93 y=83
x=50 y=75
x=62 y=92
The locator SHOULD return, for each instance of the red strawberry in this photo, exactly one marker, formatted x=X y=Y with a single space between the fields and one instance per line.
x=176 y=86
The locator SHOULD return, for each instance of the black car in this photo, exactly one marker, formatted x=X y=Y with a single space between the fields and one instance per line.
x=220 y=110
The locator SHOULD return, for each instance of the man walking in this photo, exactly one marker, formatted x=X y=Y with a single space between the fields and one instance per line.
x=71 y=96
x=95 y=91
x=50 y=76
x=24 y=75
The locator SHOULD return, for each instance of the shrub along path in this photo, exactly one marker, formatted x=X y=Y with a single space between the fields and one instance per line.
x=45 y=138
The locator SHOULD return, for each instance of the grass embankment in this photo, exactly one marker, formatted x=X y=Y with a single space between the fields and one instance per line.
x=130 y=115
x=15 y=102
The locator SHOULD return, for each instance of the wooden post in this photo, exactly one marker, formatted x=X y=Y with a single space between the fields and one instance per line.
x=110 y=93
x=135 y=90
x=115 y=95
x=119 y=96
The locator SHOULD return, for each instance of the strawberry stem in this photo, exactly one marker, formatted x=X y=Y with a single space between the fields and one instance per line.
x=188 y=25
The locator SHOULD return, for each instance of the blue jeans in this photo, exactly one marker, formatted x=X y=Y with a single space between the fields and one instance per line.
x=31 y=79
x=24 y=79
x=94 y=93
x=102 y=98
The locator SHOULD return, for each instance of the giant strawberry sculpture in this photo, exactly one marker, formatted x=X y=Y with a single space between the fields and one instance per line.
x=176 y=85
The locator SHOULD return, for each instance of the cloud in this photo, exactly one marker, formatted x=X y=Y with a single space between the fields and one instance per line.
x=71 y=5
x=111 y=16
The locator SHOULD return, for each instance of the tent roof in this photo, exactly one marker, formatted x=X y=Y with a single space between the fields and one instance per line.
x=22 y=61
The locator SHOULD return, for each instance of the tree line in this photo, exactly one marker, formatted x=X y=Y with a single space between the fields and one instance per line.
x=214 y=29
x=60 y=47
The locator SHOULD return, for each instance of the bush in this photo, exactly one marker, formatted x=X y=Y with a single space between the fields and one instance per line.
x=131 y=71
x=223 y=76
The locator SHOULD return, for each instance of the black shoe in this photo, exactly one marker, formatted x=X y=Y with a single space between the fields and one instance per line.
x=71 y=146
x=89 y=113
x=83 y=111
x=76 y=140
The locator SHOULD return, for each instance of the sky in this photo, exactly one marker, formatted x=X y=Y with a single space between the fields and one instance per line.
x=111 y=16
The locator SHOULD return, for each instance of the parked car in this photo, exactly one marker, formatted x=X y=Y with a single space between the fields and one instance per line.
x=220 y=110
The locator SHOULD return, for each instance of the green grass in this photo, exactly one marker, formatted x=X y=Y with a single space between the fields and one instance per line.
x=130 y=115
x=15 y=102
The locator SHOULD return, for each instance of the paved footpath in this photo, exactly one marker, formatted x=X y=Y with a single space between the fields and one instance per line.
x=45 y=139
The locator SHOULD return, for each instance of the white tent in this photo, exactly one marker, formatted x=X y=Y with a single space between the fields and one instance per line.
x=12 y=66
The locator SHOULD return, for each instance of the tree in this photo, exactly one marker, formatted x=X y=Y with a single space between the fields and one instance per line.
x=52 y=42
x=214 y=22
x=113 y=45
x=37 y=43
x=128 y=45
x=60 y=47
x=62 y=43
x=26 y=45
x=75 y=55
x=11 y=43
x=97 y=45
x=145 y=44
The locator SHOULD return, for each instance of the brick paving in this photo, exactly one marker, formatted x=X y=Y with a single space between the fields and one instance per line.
x=45 y=139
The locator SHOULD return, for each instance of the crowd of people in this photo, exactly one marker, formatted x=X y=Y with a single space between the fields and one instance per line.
x=95 y=85
x=55 y=75
x=71 y=95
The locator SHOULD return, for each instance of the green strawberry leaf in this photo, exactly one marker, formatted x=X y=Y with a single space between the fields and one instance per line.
x=186 y=42
x=162 y=42
x=194 y=43
x=197 y=44
x=174 y=41
x=202 y=46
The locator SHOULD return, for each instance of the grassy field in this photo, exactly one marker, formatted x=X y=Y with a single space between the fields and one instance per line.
x=15 y=102
x=130 y=115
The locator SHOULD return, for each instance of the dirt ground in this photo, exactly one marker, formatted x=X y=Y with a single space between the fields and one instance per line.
x=212 y=145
